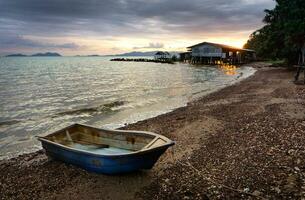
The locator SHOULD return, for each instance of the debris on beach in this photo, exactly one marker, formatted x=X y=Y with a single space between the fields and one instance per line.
x=243 y=142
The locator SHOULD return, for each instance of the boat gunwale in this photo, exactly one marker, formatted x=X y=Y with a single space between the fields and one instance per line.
x=168 y=143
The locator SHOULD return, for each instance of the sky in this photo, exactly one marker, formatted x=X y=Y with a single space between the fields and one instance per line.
x=82 y=27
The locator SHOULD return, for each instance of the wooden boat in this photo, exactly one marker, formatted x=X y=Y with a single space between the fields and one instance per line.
x=105 y=151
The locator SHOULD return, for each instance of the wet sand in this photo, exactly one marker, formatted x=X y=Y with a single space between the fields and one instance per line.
x=246 y=141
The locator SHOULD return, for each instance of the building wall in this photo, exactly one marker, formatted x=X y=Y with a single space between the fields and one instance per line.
x=207 y=51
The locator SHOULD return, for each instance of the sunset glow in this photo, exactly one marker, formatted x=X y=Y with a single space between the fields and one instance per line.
x=110 y=27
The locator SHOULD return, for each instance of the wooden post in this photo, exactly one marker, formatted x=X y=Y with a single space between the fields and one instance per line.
x=303 y=55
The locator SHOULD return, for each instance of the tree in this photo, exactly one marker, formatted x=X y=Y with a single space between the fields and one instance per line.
x=174 y=58
x=283 y=36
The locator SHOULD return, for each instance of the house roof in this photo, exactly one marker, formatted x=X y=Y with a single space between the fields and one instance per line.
x=187 y=52
x=250 y=50
x=221 y=46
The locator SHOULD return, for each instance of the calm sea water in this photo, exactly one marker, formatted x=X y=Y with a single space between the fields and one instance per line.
x=39 y=95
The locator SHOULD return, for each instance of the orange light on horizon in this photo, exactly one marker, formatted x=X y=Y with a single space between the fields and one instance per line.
x=114 y=45
x=228 y=69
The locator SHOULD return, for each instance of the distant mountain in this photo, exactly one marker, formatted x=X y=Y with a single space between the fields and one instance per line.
x=46 y=54
x=16 y=55
x=34 y=55
x=140 y=54
x=136 y=53
x=94 y=55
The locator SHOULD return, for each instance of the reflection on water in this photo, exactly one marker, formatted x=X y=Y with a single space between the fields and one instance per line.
x=41 y=95
x=228 y=69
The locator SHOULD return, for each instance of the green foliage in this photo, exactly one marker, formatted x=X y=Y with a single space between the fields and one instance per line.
x=284 y=33
x=174 y=58
x=275 y=61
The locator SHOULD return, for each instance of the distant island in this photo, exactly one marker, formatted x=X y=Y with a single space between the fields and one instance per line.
x=54 y=54
x=47 y=54
x=141 y=54
x=16 y=55
x=94 y=55
x=137 y=53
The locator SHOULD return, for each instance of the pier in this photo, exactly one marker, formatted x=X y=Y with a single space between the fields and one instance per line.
x=168 y=61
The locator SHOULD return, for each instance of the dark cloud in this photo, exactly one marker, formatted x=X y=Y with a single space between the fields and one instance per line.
x=128 y=17
x=15 y=41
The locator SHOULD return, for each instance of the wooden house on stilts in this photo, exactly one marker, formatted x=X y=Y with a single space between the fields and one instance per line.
x=212 y=53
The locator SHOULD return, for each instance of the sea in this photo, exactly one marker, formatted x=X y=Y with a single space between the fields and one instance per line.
x=39 y=95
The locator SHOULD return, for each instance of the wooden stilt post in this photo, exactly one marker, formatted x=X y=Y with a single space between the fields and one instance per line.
x=303 y=55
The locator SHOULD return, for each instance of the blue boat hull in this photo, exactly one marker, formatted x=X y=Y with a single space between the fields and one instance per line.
x=105 y=164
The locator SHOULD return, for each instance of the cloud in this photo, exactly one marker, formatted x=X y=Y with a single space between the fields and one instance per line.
x=151 y=45
x=132 y=16
x=127 y=18
x=13 y=41
x=66 y=46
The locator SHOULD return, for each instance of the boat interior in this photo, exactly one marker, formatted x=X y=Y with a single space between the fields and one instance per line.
x=105 y=142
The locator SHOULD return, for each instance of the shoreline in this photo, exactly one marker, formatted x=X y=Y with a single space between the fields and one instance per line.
x=243 y=141
x=131 y=117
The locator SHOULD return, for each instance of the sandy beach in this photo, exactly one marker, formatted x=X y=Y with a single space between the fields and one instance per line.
x=246 y=141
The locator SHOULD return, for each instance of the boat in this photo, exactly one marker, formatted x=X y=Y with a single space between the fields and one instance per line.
x=105 y=151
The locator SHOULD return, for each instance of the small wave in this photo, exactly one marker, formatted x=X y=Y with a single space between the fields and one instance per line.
x=98 y=109
x=9 y=122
